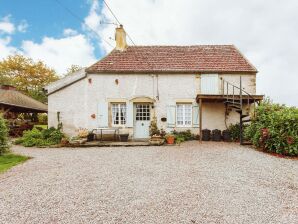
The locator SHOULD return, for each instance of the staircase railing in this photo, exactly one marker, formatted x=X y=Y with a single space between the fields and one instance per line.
x=242 y=92
x=231 y=99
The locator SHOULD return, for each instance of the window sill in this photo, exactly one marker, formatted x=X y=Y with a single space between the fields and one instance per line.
x=184 y=126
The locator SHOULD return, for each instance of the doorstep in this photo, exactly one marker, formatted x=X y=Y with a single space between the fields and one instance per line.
x=112 y=144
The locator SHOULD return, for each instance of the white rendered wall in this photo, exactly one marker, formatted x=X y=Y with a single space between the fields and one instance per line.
x=79 y=101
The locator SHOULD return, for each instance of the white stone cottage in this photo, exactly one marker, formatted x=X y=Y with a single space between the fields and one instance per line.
x=179 y=86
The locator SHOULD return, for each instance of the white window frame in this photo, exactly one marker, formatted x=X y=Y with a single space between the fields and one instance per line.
x=118 y=106
x=183 y=115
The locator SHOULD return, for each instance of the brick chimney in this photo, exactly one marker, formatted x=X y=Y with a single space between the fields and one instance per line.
x=120 y=37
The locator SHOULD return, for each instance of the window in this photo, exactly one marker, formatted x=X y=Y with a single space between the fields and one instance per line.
x=143 y=112
x=184 y=115
x=118 y=113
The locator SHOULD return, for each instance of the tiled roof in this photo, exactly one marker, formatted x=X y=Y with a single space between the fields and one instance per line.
x=17 y=99
x=174 y=59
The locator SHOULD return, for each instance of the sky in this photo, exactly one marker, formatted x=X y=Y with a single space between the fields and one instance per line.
x=80 y=32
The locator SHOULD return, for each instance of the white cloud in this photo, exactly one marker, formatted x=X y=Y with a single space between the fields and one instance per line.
x=266 y=32
x=93 y=24
x=69 y=32
x=22 y=27
x=60 y=54
x=5 y=48
x=6 y=26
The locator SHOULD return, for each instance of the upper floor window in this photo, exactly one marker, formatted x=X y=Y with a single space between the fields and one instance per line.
x=118 y=113
x=184 y=115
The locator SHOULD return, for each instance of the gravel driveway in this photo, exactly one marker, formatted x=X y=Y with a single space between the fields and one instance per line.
x=191 y=183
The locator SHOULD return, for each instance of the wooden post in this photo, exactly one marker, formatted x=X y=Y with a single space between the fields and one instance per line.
x=201 y=109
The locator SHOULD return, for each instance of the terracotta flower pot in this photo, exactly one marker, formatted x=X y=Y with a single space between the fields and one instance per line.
x=170 y=140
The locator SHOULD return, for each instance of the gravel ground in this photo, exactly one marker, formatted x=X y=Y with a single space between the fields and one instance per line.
x=191 y=183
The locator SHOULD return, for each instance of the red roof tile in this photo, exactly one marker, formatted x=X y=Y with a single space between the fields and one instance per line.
x=174 y=59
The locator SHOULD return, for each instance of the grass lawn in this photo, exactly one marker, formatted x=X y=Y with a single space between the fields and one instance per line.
x=43 y=126
x=9 y=160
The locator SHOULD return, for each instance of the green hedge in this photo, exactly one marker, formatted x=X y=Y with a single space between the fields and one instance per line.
x=3 y=135
x=275 y=128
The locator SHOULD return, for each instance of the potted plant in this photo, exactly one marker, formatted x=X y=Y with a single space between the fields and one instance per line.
x=170 y=139
x=153 y=129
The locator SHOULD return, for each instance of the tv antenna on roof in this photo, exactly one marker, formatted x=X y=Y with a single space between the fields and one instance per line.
x=109 y=23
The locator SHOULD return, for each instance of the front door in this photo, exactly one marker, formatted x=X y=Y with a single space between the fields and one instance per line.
x=141 y=120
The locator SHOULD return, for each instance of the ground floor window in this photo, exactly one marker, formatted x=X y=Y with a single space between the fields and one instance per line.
x=118 y=113
x=184 y=115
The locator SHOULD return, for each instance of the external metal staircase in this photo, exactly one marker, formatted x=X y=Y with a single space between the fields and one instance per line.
x=239 y=100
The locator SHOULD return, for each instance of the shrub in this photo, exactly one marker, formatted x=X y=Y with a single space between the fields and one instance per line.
x=183 y=136
x=234 y=130
x=179 y=139
x=275 y=128
x=42 y=118
x=3 y=136
x=40 y=138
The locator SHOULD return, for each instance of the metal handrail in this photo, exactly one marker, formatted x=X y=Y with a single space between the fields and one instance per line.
x=241 y=89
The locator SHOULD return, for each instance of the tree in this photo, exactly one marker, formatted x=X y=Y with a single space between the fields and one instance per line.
x=27 y=76
x=72 y=69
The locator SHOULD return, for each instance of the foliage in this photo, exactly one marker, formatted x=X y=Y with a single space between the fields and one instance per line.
x=3 y=135
x=275 y=128
x=42 y=118
x=45 y=137
x=179 y=140
x=183 y=136
x=234 y=130
x=162 y=133
x=169 y=135
x=41 y=126
x=26 y=75
x=72 y=69
x=186 y=135
x=83 y=133
x=9 y=160
x=153 y=129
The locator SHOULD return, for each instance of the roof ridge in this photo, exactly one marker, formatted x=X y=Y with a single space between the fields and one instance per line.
x=196 y=45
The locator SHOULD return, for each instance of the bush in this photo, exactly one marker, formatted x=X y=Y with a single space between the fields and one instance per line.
x=183 y=136
x=42 y=118
x=234 y=130
x=3 y=136
x=275 y=128
x=40 y=138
